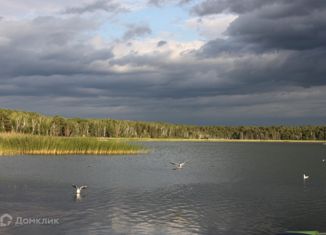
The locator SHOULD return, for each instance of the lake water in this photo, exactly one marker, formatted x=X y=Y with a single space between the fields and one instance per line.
x=225 y=188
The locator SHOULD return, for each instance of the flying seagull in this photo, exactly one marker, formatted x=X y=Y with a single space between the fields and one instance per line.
x=305 y=177
x=178 y=165
x=78 y=189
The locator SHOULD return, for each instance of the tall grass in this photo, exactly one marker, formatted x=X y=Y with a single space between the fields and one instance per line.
x=13 y=144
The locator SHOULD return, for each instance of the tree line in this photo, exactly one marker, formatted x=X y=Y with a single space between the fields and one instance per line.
x=38 y=124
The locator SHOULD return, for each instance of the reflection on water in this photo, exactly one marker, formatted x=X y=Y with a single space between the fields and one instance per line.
x=225 y=188
x=78 y=197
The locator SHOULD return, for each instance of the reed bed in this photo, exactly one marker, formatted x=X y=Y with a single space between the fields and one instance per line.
x=12 y=144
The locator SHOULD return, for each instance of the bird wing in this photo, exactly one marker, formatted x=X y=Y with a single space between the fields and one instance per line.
x=173 y=163
x=74 y=186
x=83 y=187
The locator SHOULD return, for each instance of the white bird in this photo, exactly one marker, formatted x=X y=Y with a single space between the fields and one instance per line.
x=323 y=160
x=78 y=189
x=178 y=165
x=305 y=177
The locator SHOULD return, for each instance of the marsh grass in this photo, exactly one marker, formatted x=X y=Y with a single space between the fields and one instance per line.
x=16 y=144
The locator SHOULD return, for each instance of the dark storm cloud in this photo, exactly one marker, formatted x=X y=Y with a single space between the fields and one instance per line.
x=99 y=5
x=271 y=64
x=300 y=32
x=48 y=46
x=293 y=32
x=279 y=7
x=278 y=24
x=136 y=31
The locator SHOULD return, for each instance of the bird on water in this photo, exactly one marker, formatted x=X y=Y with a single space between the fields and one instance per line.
x=79 y=189
x=178 y=165
x=305 y=177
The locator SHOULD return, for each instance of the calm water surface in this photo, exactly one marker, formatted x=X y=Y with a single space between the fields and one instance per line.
x=225 y=188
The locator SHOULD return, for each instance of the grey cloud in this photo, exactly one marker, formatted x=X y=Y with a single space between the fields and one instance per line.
x=269 y=68
x=45 y=32
x=261 y=74
x=156 y=2
x=234 y=6
x=136 y=31
x=279 y=7
x=99 y=5
x=294 y=33
x=290 y=107
x=233 y=74
x=271 y=25
x=159 y=3
x=219 y=47
x=48 y=46
x=176 y=88
x=161 y=43
x=80 y=54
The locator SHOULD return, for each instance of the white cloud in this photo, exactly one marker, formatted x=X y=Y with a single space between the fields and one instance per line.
x=212 y=26
x=149 y=46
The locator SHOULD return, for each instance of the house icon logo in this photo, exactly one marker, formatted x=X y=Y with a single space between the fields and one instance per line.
x=5 y=220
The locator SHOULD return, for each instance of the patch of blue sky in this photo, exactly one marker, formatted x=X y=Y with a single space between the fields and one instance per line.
x=111 y=30
x=168 y=20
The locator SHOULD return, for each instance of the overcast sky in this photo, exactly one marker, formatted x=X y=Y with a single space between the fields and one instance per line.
x=223 y=62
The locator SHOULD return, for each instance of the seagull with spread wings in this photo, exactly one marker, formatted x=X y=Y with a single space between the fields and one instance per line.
x=79 y=189
x=178 y=165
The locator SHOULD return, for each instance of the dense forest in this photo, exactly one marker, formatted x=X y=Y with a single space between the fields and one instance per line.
x=37 y=124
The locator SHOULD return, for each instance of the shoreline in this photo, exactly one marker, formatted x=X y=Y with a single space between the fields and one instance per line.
x=214 y=140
